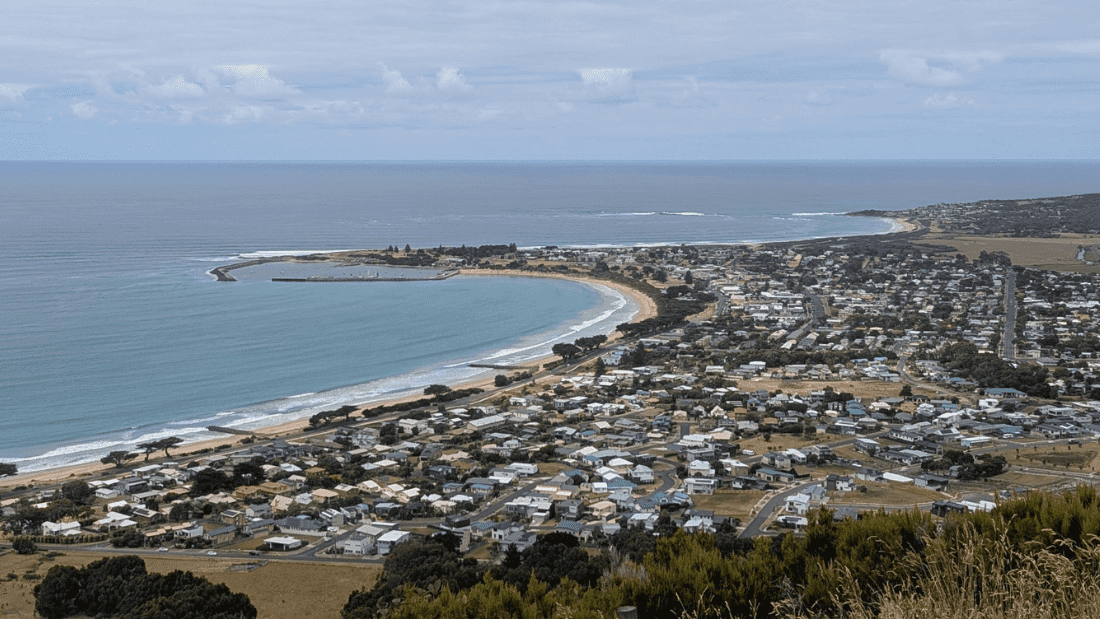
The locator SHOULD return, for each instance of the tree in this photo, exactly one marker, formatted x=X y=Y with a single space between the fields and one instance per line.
x=600 y=367
x=24 y=546
x=118 y=458
x=57 y=594
x=7 y=469
x=906 y=392
x=249 y=473
x=168 y=443
x=77 y=491
x=500 y=380
x=566 y=351
x=208 y=481
x=437 y=390
x=590 y=343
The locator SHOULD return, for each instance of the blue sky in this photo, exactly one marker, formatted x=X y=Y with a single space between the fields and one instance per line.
x=683 y=79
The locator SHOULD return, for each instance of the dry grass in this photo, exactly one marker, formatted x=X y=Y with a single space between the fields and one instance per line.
x=737 y=503
x=1073 y=459
x=1059 y=253
x=887 y=495
x=278 y=590
x=1079 y=458
x=778 y=442
x=981 y=578
x=868 y=390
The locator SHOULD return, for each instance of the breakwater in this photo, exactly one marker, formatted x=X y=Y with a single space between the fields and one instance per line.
x=326 y=278
x=225 y=430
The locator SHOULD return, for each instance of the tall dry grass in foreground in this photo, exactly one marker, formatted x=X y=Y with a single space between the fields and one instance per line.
x=965 y=575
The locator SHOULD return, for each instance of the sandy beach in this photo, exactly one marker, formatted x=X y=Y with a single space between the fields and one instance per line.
x=647 y=308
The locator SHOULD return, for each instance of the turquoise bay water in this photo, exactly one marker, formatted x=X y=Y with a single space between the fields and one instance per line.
x=113 y=333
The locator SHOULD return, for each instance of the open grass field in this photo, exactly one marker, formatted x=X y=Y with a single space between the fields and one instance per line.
x=865 y=389
x=778 y=442
x=737 y=503
x=889 y=495
x=1057 y=254
x=278 y=590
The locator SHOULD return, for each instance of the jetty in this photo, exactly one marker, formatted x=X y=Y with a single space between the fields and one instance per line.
x=225 y=430
x=326 y=278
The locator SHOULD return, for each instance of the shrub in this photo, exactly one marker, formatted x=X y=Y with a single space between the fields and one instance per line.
x=24 y=546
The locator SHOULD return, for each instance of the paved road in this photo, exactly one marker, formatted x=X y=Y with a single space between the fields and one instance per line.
x=908 y=379
x=1010 y=316
x=756 y=525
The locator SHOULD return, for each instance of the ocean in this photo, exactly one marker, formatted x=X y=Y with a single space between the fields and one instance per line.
x=113 y=333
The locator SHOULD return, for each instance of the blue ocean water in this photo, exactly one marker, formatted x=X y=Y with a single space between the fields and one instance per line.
x=113 y=333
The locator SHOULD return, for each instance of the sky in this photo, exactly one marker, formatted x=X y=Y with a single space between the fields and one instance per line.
x=552 y=79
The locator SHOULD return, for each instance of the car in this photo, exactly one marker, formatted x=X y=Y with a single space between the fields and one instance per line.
x=748 y=452
x=253 y=552
x=212 y=552
x=162 y=549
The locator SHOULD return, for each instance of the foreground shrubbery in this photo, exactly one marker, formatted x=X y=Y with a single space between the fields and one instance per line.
x=1036 y=557
x=121 y=588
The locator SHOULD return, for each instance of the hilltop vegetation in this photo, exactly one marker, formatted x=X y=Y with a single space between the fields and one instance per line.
x=1037 y=217
x=1033 y=557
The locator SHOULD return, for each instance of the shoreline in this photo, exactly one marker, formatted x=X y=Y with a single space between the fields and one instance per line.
x=289 y=430
x=647 y=308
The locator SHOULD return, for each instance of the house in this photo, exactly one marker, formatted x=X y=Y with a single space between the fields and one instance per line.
x=221 y=535
x=389 y=539
x=190 y=531
x=770 y=474
x=60 y=529
x=283 y=543
x=839 y=483
x=522 y=540
x=700 y=485
x=933 y=482
x=114 y=521
x=602 y=510
x=804 y=501
x=301 y=526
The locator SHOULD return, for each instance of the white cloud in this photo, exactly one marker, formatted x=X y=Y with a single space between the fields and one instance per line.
x=451 y=80
x=396 y=85
x=253 y=80
x=610 y=86
x=1085 y=48
x=689 y=97
x=84 y=109
x=14 y=92
x=819 y=97
x=914 y=67
x=946 y=102
x=488 y=114
x=177 y=88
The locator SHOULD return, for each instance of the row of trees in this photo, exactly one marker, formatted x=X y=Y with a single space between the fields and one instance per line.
x=581 y=345
x=439 y=393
